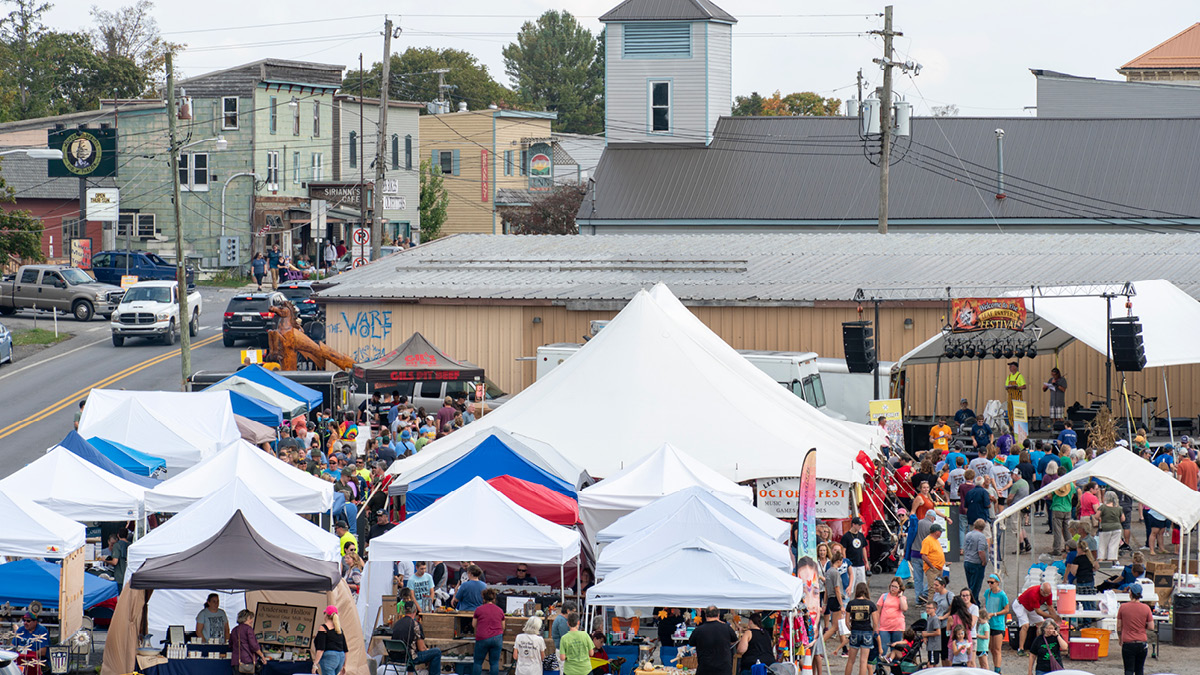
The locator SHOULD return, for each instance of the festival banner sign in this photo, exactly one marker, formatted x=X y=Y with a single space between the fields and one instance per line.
x=1020 y=422
x=778 y=497
x=891 y=410
x=806 y=521
x=970 y=315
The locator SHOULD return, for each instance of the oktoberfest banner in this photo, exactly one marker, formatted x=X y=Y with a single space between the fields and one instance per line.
x=969 y=315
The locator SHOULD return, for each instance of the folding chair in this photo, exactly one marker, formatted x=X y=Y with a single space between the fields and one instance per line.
x=397 y=656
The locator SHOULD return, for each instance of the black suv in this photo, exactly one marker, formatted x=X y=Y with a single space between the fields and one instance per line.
x=249 y=316
x=299 y=292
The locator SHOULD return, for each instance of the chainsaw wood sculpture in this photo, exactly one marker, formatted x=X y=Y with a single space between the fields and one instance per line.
x=288 y=340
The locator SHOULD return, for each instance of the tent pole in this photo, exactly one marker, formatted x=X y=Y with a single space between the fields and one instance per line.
x=562 y=583
x=937 y=381
x=1167 y=393
x=1128 y=409
x=978 y=376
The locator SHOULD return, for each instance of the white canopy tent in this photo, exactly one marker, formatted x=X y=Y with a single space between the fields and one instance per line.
x=625 y=367
x=659 y=473
x=701 y=503
x=475 y=522
x=419 y=465
x=698 y=574
x=290 y=406
x=207 y=517
x=675 y=531
x=293 y=489
x=75 y=488
x=186 y=427
x=34 y=531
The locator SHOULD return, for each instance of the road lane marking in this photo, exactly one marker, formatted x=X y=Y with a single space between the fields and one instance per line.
x=82 y=393
x=51 y=358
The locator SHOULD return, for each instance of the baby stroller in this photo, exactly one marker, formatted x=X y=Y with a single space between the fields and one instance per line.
x=910 y=661
x=884 y=559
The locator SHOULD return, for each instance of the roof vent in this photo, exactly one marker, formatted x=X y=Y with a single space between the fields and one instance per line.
x=462 y=106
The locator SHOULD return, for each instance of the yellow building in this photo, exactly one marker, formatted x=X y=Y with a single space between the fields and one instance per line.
x=488 y=158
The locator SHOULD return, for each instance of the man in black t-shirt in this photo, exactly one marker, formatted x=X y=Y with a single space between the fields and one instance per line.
x=714 y=641
x=408 y=630
x=855 y=545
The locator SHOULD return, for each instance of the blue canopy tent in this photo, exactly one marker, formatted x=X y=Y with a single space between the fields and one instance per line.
x=134 y=461
x=26 y=580
x=76 y=444
x=489 y=459
x=256 y=373
x=254 y=409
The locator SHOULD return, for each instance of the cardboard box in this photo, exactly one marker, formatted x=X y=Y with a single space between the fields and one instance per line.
x=1164 y=596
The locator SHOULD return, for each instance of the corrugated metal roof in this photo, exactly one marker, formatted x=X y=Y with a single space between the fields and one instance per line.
x=1180 y=51
x=815 y=168
x=667 y=10
x=764 y=268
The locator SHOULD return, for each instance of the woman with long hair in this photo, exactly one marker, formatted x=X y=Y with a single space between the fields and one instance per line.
x=329 y=645
x=754 y=645
x=1083 y=567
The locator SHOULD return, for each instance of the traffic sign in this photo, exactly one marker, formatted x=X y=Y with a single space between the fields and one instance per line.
x=362 y=236
x=359 y=262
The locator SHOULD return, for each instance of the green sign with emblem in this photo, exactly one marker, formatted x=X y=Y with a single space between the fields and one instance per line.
x=87 y=153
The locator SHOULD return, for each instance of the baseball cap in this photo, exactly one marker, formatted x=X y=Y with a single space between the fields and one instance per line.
x=342 y=523
x=1123 y=443
x=381 y=512
x=1135 y=590
x=856 y=521
x=935 y=527
x=963 y=400
x=1184 y=439
x=405 y=435
x=29 y=617
x=1140 y=440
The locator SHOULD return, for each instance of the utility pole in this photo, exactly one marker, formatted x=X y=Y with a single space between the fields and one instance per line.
x=381 y=143
x=362 y=159
x=185 y=338
x=860 y=88
x=885 y=119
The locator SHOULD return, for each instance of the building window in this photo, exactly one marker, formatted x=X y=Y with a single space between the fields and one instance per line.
x=447 y=162
x=193 y=171
x=273 y=170
x=316 y=119
x=296 y=167
x=353 y=149
x=660 y=107
x=295 y=117
x=229 y=110
x=508 y=162
x=524 y=162
x=657 y=40
x=136 y=225
x=317 y=170
x=274 y=114
x=74 y=228
x=395 y=151
x=408 y=152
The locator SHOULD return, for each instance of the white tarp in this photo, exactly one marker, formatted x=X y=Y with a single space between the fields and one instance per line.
x=185 y=427
x=539 y=453
x=34 y=531
x=656 y=475
x=75 y=488
x=1126 y=472
x=645 y=360
x=290 y=406
x=294 y=490
x=698 y=574
x=702 y=503
x=1167 y=314
x=676 y=530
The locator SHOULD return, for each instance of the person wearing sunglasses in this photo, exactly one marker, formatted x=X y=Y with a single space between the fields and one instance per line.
x=523 y=577
x=995 y=602
x=32 y=639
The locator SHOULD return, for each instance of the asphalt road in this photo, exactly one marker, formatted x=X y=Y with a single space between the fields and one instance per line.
x=40 y=394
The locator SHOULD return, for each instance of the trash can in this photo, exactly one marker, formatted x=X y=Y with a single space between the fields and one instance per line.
x=1186 y=632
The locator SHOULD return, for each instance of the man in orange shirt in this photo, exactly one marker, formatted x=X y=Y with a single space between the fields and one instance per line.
x=1186 y=469
x=932 y=556
x=939 y=437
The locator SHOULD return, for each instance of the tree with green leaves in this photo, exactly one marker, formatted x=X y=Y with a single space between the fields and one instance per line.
x=551 y=213
x=804 y=103
x=20 y=31
x=434 y=202
x=413 y=79
x=748 y=106
x=553 y=66
x=79 y=77
x=20 y=232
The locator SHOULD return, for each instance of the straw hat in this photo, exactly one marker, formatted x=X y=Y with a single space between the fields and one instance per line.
x=1063 y=490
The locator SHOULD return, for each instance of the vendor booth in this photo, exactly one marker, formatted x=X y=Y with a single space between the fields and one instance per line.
x=538 y=499
x=76 y=444
x=421 y=464
x=475 y=522
x=241 y=387
x=295 y=490
x=416 y=359
x=25 y=581
x=624 y=367
x=659 y=473
x=703 y=504
x=186 y=427
x=253 y=408
x=235 y=559
x=71 y=487
x=134 y=461
x=307 y=395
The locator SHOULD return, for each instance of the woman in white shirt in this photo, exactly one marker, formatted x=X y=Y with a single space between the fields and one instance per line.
x=530 y=648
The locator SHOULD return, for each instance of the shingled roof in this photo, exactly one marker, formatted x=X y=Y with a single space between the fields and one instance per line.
x=668 y=10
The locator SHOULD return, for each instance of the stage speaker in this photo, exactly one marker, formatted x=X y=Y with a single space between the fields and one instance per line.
x=858 y=340
x=1128 y=352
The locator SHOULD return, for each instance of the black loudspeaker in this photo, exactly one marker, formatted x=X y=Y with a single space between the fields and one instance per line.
x=1128 y=352
x=858 y=340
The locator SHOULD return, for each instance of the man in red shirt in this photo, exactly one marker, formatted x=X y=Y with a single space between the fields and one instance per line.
x=1033 y=606
x=1134 y=618
x=1187 y=470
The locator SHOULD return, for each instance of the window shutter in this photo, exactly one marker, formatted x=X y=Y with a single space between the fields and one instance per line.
x=353 y=149
x=454 y=162
x=435 y=160
x=657 y=40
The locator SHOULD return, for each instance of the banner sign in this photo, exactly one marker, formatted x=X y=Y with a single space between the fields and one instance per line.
x=891 y=410
x=541 y=166
x=288 y=625
x=806 y=518
x=969 y=315
x=1020 y=427
x=81 y=253
x=778 y=497
x=86 y=153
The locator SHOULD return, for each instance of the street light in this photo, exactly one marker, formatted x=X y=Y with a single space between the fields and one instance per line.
x=35 y=153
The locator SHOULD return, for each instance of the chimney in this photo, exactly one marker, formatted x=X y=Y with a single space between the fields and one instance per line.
x=1000 y=164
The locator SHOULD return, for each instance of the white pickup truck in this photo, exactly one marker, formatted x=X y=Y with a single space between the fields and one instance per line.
x=150 y=309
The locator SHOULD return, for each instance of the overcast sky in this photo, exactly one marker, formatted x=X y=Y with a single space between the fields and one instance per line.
x=976 y=55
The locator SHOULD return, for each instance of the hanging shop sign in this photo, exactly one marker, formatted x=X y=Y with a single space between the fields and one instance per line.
x=87 y=153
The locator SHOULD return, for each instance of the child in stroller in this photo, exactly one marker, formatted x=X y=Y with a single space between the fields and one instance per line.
x=904 y=656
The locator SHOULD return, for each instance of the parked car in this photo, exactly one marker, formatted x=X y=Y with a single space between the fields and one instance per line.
x=299 y=293
x=6 y=344
x=150 y=309
x=58 y=287
x=110 y=266
x=249 y=317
